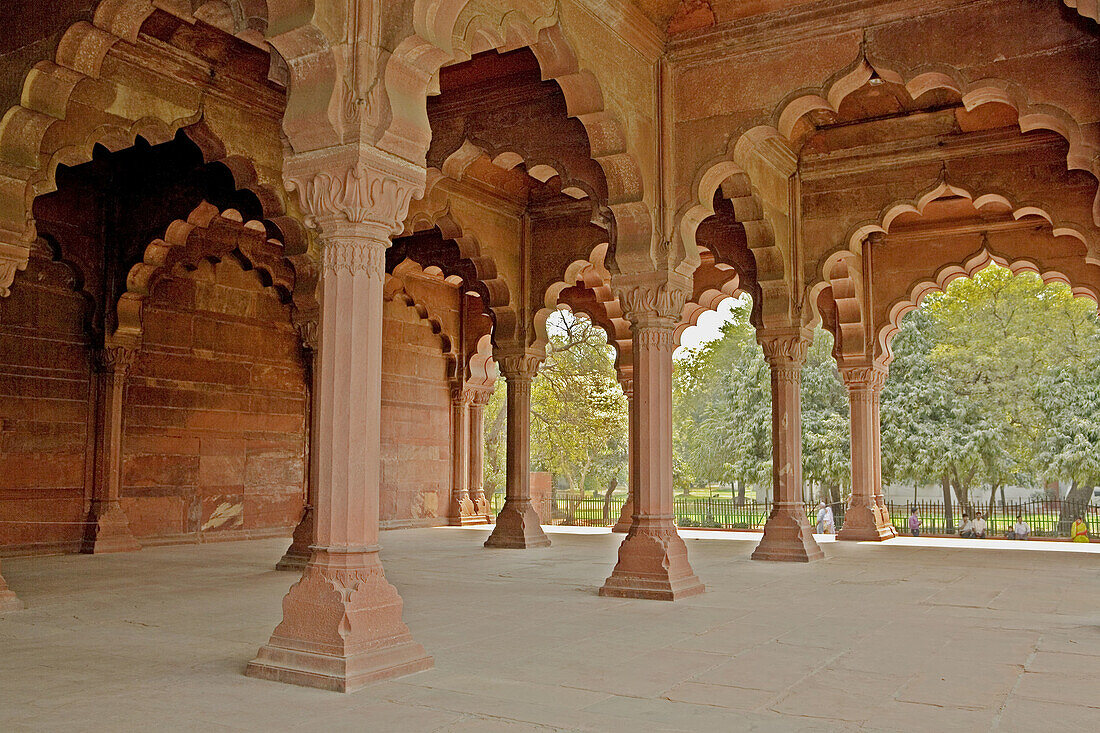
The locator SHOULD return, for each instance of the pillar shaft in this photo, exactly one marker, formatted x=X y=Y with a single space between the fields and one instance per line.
x=864 y=517
x=461 y=510
x=297 y=555
x=477 y=456
x=787 y=533
x=518 y=525
x=653 y=561
x=342 y=625
x=626 y=516
x=108 y=529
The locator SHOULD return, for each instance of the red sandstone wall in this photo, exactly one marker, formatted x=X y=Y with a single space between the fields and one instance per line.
x=214 y=427
x=416 y=432
x=44 y=392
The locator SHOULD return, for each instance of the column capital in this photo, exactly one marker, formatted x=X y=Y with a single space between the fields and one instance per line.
x=871 y=377
x=655 y=300
x=480 y=396
x=115 y=359
x=785 y=348
x=354 y=184
x=519 y=363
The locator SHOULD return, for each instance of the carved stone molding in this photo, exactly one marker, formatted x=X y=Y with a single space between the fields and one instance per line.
x=355 y=255
x=785 y=348
x=356 y=185
x=520 y=365
x=655 y=336
x=870 y=378
x=648 y=302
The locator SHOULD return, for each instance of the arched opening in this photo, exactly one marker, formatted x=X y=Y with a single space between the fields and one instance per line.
x=990 y=406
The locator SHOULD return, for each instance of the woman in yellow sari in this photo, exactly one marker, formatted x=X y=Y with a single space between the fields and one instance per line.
x=1079 y=532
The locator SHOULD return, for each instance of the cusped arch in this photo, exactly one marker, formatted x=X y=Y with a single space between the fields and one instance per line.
x=210 y=234
x=396 y=289
x=453 y=30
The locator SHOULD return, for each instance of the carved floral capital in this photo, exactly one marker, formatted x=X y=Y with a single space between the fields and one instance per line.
x=519 y=365
x=786 y=348
x=116 y=360
x=871 y=378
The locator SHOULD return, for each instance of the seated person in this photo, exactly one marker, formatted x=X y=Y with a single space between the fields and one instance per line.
x=979 y=526
x=1079 y=532
x=967 y=527
x=1020 y=530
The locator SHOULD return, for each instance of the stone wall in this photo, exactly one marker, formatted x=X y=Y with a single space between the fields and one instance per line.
x=215 y=422
x=44 y=411
x=416 y=414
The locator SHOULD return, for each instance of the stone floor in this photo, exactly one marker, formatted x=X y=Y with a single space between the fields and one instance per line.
x=889 y=638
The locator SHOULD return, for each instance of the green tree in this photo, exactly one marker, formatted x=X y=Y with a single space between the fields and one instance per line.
x=578 y=411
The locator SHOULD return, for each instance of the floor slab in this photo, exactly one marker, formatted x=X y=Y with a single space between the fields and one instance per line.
x=899 y=635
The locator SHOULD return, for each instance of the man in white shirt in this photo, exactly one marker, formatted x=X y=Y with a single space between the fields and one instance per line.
x=1020 y=530
x=967 y=528
x=979 y=526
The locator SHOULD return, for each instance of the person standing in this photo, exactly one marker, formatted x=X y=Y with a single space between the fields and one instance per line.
x=821 y=512
x=1079 y=532
x=914 y=523
x=830 y=524
x=1020 y=530
x=979 y=526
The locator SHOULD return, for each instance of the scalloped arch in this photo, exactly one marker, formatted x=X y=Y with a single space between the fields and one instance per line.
x=453 y=30
x=209 y=234
x=396 y=289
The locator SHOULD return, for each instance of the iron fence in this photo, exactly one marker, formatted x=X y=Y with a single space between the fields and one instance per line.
x=1047 y=518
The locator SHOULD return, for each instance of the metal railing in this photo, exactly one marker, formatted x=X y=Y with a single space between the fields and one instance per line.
x=1047 y=518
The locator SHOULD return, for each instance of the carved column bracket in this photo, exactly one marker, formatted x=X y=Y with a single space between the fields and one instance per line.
x=787 y=533
x=518 y=525
x=108 y=528
x=866 y=517
x=653 y=561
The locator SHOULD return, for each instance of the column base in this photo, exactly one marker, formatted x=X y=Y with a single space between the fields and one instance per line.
x=788 y=537
x=865 y=524
x=464 y=513
x=653 y=564
x=8 y=600
x=297 y=555
x=518 y=527
x=341 y=628
x=626 y=516
x=108 y=530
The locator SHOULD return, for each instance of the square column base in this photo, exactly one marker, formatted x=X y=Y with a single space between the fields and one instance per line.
x=108 y=530
x=653 y=565
x=341 y=628
x=865 y=524
x=518 y=527
x=788 y=537
x=463 y=513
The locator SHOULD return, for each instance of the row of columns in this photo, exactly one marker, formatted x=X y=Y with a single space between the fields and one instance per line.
x=469 y=505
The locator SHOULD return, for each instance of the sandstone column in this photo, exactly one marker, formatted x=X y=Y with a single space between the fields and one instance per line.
x=482 y=512
x=8 y=599
x=297 y=555
x=518 y=525
x=787 y=533
x=626 y=516
x=461 y=509
x=108 y=529
x=342 y=625
x=653 y=561
x=863 y=519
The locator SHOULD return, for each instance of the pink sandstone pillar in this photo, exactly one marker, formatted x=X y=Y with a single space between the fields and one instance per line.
x=653 y=561
x=108 y=529
x=461 y=509
x=297 y=555
x=8 y=599
x=518 y=525
x=787 y=533
x=626 y=516
x=482 y=512
x=863 y=519
x=342 y=625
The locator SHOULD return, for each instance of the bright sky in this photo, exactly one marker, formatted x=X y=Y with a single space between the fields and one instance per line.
x=707 y=329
